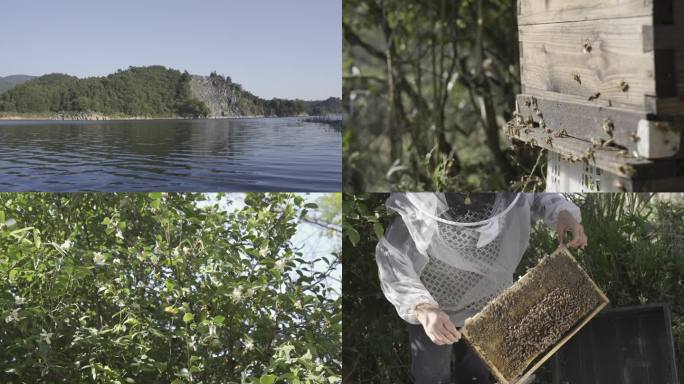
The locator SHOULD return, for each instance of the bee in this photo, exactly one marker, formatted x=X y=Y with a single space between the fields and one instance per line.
x=561 y=133
x=577 y=78
x=589 y=155
x=608 y=143
x=624 y=87
x=633 y=136
x=608 y=127
x=587 y=46
x=628 y=170
x=594 y=96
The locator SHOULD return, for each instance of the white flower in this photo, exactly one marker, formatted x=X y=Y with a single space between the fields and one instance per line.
x=98 y=258
x=66 y=245
x=249 y=345
x=212 y=330
x=18 y=300
x=46 y=336
x=119 y=234
x=116 y=260
x=280 y=265
x=14 y=316
x=263 y=251
x=250 y=292
x=237 y=294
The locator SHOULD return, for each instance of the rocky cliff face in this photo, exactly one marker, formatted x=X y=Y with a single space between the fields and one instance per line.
x=224 y=98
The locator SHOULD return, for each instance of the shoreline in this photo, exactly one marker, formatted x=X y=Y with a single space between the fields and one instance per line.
x=94 y=117
x=131 y=118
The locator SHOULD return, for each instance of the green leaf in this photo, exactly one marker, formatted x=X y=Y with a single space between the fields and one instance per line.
x=155 y=195
x=353 y=235
x=188 y=317
x=268 y=379
x=219 y=319
x=311 y=205
x=36 y=238
x=378 y=229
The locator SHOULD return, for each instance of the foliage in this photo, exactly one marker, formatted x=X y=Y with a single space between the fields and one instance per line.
x=137 y=91
x=162 y=288
x=428 y=86
x=634 y=254
x=143 y=91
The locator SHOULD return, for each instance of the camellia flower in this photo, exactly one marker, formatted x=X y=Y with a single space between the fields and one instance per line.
x=13 y=316
x=98 y=258
x=263 y=251
x=280 y=265
x=237 y=294
x=249 y=345
x=45 y=336
x=119 y=234
x=66 y=244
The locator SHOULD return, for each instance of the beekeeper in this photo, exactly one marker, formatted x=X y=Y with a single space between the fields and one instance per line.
x=447 y=255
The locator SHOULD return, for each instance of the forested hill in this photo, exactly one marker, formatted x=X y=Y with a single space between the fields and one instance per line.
x=9 y=82
x=153 y=91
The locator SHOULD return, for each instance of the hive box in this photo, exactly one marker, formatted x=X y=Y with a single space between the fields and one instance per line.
x=527 y=323
x=626 y=344
x=609 y=70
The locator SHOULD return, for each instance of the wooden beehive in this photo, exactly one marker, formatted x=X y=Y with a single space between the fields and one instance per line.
x=527 y=323
x=605 y=77
x=632 y=343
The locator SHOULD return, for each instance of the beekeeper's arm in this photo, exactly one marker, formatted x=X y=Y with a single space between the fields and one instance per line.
x=562 y=215
x=401 y=285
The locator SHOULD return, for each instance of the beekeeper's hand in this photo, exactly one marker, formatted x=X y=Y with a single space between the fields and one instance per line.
x=437 y=324
x=566 y=222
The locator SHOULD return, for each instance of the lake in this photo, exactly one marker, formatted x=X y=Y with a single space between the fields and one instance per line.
x=251 y=154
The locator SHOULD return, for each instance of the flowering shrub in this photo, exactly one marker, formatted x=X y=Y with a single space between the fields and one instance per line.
x=162 y=288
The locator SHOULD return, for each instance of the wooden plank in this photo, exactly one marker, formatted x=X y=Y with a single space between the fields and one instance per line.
x=672 y=37
x=594 y=60
x=582 y=119
x=552 y=11
x=608 y=159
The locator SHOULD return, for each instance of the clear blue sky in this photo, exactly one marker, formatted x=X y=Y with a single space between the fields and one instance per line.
x=275 y=48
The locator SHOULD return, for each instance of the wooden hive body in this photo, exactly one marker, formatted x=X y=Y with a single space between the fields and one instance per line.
x=603 y=82
x=526 y=324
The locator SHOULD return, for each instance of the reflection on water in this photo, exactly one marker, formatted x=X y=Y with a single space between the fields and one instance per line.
x=279 y=154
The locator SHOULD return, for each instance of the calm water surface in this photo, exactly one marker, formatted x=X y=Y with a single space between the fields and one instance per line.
x=279 y=154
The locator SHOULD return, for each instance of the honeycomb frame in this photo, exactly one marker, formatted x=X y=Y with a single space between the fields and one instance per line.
x=527 y=323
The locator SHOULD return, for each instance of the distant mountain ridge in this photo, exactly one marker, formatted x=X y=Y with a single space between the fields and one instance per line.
x=153 y=91
x=9 y=82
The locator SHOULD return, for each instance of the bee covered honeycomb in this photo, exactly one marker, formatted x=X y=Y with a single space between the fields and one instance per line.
x=533 y=315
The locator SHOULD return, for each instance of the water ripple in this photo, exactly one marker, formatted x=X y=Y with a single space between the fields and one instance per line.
x=199 y=155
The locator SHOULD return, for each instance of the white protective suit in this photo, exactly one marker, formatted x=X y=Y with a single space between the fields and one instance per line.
x=432 y=255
